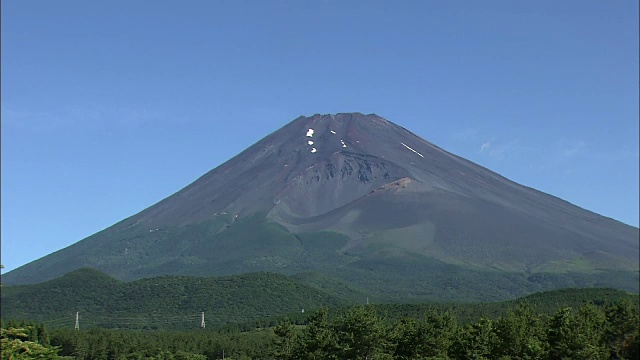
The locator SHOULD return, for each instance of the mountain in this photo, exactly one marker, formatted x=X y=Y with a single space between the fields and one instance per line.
x=362 y=201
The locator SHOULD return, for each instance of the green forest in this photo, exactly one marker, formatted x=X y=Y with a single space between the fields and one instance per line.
x=272 y=316
x=594 y=330
x=241 y=302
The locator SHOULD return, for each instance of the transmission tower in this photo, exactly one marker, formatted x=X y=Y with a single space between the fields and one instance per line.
x=77 y=327
x=202 y=324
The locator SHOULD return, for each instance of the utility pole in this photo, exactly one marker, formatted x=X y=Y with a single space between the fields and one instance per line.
x=77 y=327
x=202 y=324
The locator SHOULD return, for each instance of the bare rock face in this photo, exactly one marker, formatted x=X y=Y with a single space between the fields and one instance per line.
x=309 y=167
x=333 y=183
x=391 y=196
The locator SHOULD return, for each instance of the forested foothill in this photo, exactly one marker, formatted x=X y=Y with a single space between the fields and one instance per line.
x=541 y=326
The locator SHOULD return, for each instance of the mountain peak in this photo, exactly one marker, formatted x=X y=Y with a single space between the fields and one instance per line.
x=342 y=118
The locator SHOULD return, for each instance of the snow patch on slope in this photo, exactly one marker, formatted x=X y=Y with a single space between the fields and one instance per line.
x=405 y=145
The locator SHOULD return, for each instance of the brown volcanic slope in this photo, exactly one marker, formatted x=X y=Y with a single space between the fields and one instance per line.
x=395 y=197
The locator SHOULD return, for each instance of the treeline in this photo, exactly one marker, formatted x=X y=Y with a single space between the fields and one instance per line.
x=23 y=340
x=591 y=331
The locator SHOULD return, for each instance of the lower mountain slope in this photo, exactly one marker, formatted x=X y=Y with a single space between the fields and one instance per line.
x=381 y=264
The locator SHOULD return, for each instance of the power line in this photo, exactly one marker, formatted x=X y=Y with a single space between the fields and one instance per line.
x=160 y=321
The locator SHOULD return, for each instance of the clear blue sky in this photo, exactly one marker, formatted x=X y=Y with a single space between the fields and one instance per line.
x=110 y=106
